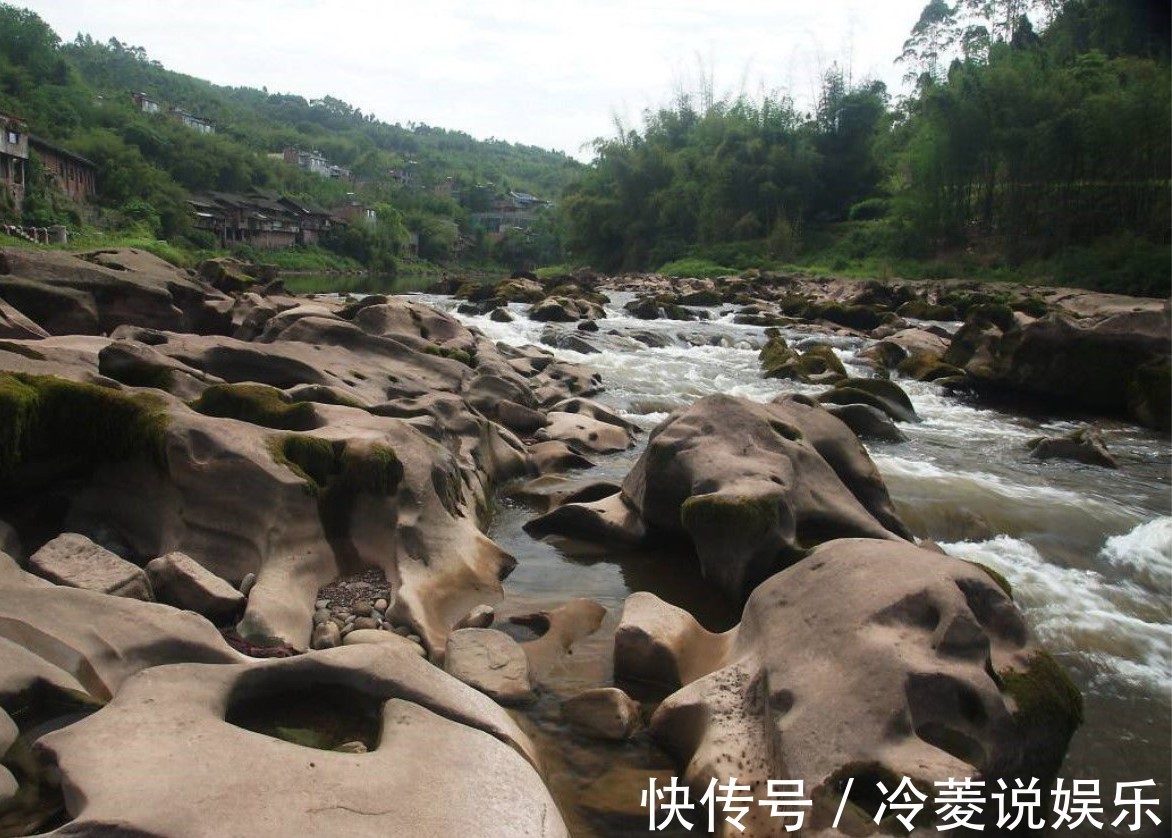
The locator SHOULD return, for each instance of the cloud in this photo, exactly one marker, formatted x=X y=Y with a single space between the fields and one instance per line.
x=546 y=73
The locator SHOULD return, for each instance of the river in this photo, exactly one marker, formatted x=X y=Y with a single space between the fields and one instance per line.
x=1087 y=550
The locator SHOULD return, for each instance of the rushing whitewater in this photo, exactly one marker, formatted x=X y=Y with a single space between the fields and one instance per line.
x=1087 y=551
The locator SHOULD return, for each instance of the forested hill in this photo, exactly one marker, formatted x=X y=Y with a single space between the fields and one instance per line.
x=1035 y=145
x=79 y=94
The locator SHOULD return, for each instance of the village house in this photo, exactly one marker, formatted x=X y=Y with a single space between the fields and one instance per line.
x=263 y=220
x=518 y=210
x=69 y=173
x=192 y=121
x=313 y=161
x=13 y=159
x=145 y=103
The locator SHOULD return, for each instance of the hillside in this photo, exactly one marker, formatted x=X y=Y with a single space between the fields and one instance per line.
x=80 y=95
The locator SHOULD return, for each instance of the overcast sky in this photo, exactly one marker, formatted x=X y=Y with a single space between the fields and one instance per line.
x=551 y=73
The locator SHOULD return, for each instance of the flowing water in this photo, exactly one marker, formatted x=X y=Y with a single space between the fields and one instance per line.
x=1087 y=550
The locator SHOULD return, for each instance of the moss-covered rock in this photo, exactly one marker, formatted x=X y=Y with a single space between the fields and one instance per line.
x=1048 y=708
x=704 y=297
x=924 y=310
x=338 y=472
x=820 y=362
x=257 y=404
x=465 y=358
x=1149 y=396
x=885 y=395
x=776 y=358
x=863 y=318
x=45 y=417
x=923 y=366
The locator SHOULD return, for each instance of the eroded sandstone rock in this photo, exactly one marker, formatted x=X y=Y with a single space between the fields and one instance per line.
x=874 y=660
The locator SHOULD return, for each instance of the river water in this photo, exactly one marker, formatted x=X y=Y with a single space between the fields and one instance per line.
x=1087 y=550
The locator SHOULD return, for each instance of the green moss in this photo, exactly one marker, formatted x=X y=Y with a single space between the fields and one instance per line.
x=1044 y=694
x=137 y=373
x=257 y=404
x=312 y=459
x=21 y=349
x=776 y=358
x=746 y=516
x=1033 y=306
x=454 y=354
x=925 y=367
x=997 y=577
x=337 y=472
x=819 y=360
x=45 y=417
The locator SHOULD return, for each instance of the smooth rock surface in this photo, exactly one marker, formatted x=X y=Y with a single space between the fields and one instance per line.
x=448 y=762
x=489 y=661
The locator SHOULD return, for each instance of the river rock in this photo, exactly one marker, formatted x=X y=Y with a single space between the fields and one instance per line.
x=94 y=293
x=585 y=433
x=375 y=636
x=659 y=647
x=479 y=617
x=560 y=629
x=72 y=559
x=556 y=456
x=326 y=635
x=868 y=422
x=15 y=326
x=490 y=661
x=1082 y=445
x=88 y=642
x=179 y=580
x=753 y=486
x=871 y=659
x=879 y=393
x=603 y=713
x=565 y=310
x=1113 y=365
x=456 y=764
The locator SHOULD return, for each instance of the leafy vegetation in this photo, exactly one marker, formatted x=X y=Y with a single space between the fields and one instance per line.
x=419 y=178
x=1020 y=153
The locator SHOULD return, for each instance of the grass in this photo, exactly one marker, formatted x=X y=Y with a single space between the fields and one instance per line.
x=694 y=267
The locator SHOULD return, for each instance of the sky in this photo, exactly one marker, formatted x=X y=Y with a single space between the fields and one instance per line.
x=550 y=73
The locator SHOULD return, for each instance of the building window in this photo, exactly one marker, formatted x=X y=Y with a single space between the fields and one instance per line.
x=12 y=137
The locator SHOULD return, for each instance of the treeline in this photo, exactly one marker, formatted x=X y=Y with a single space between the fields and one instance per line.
x=1019 y=149
x=79 y=94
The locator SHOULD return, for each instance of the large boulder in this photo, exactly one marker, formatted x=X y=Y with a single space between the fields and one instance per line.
x=93 y=293
x=1114 y=365
x=751 y=487
x=871 y=660
x=359 y=740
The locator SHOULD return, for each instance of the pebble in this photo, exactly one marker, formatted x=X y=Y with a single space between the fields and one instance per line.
x=365 y=623
x=321 y=603
x=381 y=605
x=351 y=748
x=479 y=617
x=326 y=636
x=322 y=616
